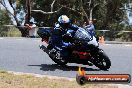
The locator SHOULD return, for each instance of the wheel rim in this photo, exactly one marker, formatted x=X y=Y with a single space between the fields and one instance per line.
x=101 y=62
x=58 y=57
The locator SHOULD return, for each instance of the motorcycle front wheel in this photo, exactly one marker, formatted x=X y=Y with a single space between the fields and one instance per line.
x=101 y=60
x=57 y=58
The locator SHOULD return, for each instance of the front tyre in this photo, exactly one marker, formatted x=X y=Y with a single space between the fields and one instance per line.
x=102 y=61
x=57 y=58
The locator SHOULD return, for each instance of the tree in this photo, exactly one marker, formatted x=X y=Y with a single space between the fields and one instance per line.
x=4 y=18
x=46 y=12
x=79 y=9
x=19 y=7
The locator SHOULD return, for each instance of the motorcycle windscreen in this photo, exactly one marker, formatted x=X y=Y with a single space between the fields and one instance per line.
x=83 y=35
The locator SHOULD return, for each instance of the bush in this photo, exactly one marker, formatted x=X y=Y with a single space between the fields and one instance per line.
x=6 y=31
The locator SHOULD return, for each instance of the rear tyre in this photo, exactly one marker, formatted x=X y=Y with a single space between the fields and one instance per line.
x=102 y=61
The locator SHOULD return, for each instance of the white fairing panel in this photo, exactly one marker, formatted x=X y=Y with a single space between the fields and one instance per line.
x=93 y=42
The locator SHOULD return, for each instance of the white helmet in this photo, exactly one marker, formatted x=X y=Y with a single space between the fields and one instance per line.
x=64 y=21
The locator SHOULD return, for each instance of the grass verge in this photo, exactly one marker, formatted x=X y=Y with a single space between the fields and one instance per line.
x=10 y=80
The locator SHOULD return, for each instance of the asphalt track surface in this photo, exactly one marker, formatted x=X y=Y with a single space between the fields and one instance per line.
x=24 y=55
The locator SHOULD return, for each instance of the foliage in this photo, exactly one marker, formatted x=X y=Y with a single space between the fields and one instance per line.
x=4 y=17
x=108 y=13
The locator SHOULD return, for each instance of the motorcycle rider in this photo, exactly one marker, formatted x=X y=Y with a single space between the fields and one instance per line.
x=63 y=29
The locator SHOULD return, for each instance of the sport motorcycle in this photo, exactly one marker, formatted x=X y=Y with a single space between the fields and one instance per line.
x=84 y=49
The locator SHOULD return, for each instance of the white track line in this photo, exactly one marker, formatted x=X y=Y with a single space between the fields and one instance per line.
x=127 y=45
x=19 y=39
x=107 y=44
x=1 y=38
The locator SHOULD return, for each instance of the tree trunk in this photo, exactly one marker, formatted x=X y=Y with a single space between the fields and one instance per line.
x=28 y=11
x=24 y=31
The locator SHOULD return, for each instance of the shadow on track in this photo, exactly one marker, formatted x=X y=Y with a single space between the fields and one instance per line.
x=53 y=67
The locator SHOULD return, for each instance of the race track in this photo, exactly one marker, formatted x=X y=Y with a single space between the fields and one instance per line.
x=24 y=55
